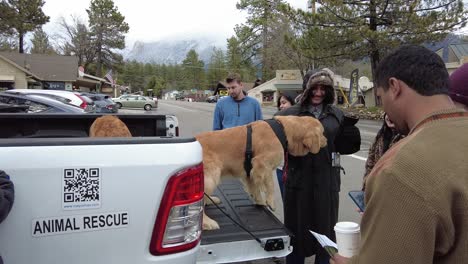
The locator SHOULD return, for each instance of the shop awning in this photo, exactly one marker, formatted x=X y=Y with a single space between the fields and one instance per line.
x=7 y=78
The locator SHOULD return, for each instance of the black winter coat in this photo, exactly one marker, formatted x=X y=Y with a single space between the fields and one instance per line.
x=7 y=194
x=312 y=187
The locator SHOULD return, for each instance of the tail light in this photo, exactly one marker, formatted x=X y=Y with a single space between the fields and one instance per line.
x=179 y=221
x=83 y=104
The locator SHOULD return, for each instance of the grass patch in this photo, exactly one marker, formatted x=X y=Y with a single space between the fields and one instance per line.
x=374 y=109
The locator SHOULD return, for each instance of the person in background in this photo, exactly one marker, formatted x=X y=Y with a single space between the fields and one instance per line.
x=311 y=193
x=284 y=102
x=305 y=79
x=417 y=194
x=7 y=196
x=459 y=87
x=238 y=109
x=385 y=139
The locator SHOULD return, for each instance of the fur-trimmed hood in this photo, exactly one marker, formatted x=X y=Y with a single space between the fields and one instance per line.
x=324 y=78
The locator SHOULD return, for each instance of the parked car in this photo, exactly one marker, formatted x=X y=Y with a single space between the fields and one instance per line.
x=38 y=103
x=212 y=99
x=90 y=105
x=179 y=97
x=70 y=97
x=134 y=101
x=103 y=103
x=13 y=108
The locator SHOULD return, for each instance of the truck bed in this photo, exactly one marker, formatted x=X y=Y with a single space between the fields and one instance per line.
x=72 y=125
x=231 y=238
x=237 y=203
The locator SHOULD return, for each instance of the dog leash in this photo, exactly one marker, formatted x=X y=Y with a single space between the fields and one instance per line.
x=234 y=221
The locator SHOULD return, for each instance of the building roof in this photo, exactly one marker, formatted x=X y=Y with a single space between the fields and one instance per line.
x=460 y=50
x=20 y=68
x=47 y=67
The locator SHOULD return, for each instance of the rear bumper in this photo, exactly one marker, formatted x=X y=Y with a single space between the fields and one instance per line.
x=239 y=251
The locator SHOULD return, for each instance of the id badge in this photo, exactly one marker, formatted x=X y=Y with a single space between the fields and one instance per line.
x=336 y=160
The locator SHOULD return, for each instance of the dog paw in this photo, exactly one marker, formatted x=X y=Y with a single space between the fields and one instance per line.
x=214 y=200
x=210 y=224
x=271 y=206
x=261 y=203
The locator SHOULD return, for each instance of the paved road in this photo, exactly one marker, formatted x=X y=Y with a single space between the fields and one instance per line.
x=197 y=117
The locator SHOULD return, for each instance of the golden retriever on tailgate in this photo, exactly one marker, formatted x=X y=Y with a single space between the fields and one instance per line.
x=224 y=154
x=109 y=126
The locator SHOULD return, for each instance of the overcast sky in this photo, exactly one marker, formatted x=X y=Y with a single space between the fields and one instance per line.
x=152 y=20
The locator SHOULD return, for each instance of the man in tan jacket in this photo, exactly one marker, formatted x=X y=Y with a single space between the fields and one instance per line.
x=417 y=194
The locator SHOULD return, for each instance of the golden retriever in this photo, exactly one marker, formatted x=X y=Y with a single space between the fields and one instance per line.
x=224 y=154
x=109 y=126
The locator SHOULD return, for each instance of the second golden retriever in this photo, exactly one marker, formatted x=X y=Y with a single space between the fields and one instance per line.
x=224 y=154
x=109 y=126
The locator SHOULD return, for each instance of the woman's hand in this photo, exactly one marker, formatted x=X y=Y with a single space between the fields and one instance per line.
x=338 y=259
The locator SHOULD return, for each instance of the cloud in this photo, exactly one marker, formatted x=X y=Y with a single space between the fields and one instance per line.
x=153 y=20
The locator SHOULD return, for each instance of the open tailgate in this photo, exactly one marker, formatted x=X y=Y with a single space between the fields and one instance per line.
x=231 y=243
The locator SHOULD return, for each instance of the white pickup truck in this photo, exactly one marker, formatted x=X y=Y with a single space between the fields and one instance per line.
x=121 y=200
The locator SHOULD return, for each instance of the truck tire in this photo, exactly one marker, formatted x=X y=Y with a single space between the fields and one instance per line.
x=147 y=107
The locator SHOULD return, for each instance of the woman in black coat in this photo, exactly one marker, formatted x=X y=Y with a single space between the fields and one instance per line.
x=7 y=194
x=313 y=181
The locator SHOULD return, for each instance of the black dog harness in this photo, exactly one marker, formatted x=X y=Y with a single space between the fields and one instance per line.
x=278 y=128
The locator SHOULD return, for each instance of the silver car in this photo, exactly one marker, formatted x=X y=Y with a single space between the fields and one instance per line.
x=134 y=101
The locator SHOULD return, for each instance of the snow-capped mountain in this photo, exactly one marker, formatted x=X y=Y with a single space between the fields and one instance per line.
x=171 y=51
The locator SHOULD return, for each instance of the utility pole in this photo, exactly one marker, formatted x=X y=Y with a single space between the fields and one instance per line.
x=311 y=5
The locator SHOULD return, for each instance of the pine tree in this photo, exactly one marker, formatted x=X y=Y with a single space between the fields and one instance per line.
x=236 y=61
x=193 y=71
x=107 y=26
x=20 y=17
x=371 y=28
x=216 y=68
x=7 y=43
x=41 y=44
x=257 y=35
x=77 y=41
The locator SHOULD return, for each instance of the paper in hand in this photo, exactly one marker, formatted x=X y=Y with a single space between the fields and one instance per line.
x=326 y=243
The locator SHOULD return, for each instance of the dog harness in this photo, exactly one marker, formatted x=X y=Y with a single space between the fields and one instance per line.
x=248 y=152
x=278 y=129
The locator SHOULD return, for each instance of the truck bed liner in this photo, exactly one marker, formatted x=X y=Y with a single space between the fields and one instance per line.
x=257 y=219
x=72 y=125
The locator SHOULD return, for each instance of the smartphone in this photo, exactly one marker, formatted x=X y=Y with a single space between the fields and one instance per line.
x=358 y=199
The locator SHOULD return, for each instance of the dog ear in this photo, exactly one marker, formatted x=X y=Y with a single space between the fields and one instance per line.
x=314 y=139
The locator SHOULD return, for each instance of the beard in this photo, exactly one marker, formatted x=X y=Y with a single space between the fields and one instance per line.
x=236 y=96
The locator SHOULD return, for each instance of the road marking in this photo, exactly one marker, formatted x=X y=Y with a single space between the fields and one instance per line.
x=186 y=109
x=357 y=157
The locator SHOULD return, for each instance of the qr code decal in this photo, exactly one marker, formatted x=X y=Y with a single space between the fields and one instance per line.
x=81 y=188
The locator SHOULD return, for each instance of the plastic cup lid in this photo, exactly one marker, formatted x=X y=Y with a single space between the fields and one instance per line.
x=347 y=227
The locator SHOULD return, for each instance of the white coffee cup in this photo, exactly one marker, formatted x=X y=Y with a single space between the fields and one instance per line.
x=348 y=238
